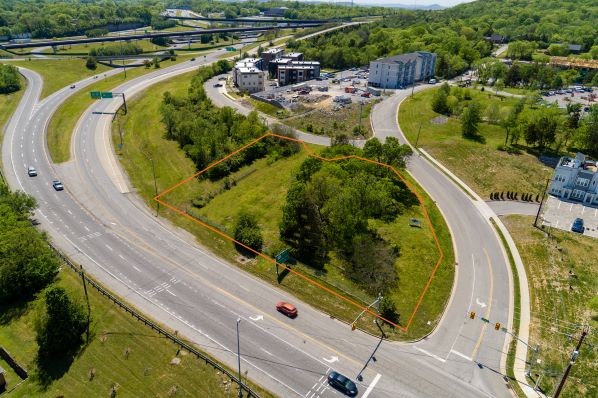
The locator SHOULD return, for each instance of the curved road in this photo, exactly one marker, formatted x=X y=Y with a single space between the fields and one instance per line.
x=102 y=225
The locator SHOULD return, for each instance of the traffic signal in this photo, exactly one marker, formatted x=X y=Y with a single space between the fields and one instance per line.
x=472 y=315
x=497 y=326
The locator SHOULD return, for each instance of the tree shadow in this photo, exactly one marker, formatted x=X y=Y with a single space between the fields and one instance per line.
x=476 y=138
x=14 y=310
x=52 y=367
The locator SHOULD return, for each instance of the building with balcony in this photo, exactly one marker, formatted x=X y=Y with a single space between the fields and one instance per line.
x=402 y=70
x=576 y=179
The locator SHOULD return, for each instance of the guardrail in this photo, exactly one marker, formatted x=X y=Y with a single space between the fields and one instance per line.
x=153 y=325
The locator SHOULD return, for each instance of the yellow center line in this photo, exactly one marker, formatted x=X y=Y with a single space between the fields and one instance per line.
x=477 y=346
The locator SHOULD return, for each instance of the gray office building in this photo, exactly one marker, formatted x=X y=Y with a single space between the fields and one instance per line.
x=402 y=70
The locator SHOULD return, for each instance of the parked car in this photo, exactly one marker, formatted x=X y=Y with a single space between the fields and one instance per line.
x=342 y=383
x=192 y=59
x=31 y=171
x=73 y=86
x=432 y=81
x=57 y=185
x=578 y=226
x=222 y=78
x=218 y=85
x=286 y=308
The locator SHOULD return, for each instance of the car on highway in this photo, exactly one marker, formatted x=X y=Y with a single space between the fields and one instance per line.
x=577 y=226
x=342 y=383
x=73 y=86
x=286 y=308
x=218 y=85
x=192 y=59
x=57 y=185
x=31 y=171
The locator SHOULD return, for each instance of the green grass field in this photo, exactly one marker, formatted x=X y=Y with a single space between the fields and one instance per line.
x=481 y=165
x=62 y=124
x=8 y=104
x=85 y=48
x=562 y=283
x=262 y=191
x=59 y=73
x=147 y=371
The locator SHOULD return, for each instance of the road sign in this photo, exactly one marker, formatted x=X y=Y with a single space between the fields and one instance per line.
x=96 y=94
x=283 y=256
x=231 y=49
x=106 y=94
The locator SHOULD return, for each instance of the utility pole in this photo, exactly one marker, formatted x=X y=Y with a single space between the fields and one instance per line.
x=239 y=358
x=541 y=202
x=382 y=336
x=360 y=113
x=418 y=131
x=571 y=362
x=88 y=306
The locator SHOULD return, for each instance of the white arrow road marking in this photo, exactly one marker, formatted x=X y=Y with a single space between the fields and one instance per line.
x=257 y=318
x=480 y=303
x=331 y=360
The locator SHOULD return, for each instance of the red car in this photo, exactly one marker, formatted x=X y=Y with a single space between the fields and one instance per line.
x=287 y=308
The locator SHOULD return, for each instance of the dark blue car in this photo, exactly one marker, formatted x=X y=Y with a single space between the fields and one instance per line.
x=342 y=383
x=577 y=226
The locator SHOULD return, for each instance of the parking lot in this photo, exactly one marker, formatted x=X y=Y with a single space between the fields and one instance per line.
x=560 y=214
x=570 y=95
x=330 y=90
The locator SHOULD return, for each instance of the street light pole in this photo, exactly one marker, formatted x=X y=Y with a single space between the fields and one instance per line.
x=418 y=131
x=541 y=202
x=239 y=358
x=382 y=336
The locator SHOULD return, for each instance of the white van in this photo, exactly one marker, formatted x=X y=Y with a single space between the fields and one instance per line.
x=432 y=81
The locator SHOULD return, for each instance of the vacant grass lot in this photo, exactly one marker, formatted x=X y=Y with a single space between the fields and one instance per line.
x=563 y=277
x=261 y=189
x=481 y=165
x=147 y=371
x=329 y=122
x=8 y=104
x=85 y=48
x=59 y=73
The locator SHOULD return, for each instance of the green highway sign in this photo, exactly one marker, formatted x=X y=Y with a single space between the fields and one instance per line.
x=100 y=94
x=283 y=256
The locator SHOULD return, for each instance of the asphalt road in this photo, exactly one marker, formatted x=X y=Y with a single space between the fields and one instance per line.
x=102 y=224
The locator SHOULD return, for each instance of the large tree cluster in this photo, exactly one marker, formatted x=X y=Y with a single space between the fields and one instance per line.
x=329 y=207
x=207 y=133
x=9 y=79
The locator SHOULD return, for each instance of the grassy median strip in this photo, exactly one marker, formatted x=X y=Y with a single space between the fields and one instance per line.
x=8 y=104
x=479 y=164
x=563 y=278
x=261 y=189
x=62 y=124
x=59 y=73
x=122 y=352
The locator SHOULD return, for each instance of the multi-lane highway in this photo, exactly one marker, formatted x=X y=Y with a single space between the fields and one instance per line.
x=100 y=222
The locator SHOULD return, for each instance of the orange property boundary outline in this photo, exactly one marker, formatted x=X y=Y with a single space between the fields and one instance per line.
x=305 y=277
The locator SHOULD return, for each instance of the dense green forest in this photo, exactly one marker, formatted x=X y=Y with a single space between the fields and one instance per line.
x=207 y=133
x=47 y=19
x=457 y=34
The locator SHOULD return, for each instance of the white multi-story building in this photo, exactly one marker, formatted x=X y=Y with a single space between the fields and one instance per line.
x=402 y=70
x=248 y=75
x=576 y=179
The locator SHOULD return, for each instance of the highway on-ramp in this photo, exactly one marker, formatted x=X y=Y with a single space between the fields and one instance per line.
x=100 y=222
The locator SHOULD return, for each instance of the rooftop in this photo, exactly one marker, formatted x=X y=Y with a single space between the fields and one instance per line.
x=409 y=57
x=579 y=162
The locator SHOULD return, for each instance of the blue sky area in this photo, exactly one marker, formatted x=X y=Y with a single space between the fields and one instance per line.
x=444 y=3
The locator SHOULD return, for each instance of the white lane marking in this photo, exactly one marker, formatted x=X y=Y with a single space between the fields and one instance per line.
x=257 y=318
x=429 y=354
x=480 y=303
x=121 y=256
x=108 y=247
x=267 y=352
x=371 y=386
x=461 y=355
x=171 y=293
x=136 y=269
x=332 y=359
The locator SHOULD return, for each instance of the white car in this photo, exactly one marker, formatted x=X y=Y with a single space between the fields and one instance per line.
x=31 y=171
